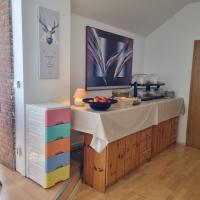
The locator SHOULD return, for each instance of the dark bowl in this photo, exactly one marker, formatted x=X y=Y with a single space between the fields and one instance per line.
x=98 y=105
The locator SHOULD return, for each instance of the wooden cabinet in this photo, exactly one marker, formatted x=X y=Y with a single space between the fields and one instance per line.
x=174 y=130
x=164 y=135
x=122 y=157
x=156 y=140
x=115 y=163
x=118 y=159
x=144 y=140
x=131 y=155
x=125 y=155
x=88 y=161
x=94 y=166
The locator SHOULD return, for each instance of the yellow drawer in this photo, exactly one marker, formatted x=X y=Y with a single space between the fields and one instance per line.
x=56 y=176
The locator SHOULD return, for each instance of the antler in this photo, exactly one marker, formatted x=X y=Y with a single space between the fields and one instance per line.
x=45 y=28
x=54 y=27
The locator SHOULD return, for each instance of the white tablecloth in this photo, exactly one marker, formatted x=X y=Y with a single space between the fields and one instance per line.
x=114 y=124
x=170 y=108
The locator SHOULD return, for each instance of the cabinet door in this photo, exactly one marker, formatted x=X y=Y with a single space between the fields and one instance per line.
x=94 y=172
x=166 y=129
x=149 y=133
x=99 y=176
x=131 y=153
x=88 y=161
x=169 y=132
x=156 y=140
x=115 y=161
x=111 y=172
x=148 y=150
x=164 y=135
x=121 y=148
x=160 y=138
x=174 y=130
x=144 y=140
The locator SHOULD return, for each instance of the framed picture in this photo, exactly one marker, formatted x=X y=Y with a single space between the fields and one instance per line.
x=109 y=59
x=48 y=21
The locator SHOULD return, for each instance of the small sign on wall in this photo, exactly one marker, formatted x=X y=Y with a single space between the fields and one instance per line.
x=48 y=21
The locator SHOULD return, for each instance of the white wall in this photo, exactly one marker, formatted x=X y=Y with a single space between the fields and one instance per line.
x=26 y=47
x=78 y=49
x=169 y=51
x=18 y=76
x=45 y=90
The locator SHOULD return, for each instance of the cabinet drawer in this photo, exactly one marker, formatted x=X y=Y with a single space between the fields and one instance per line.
x=143 y=146
x=58 y=116
x=56 y=176
x=57 y=132
x=142 y=136
x=144 y=157
x=57 y=147
x=57 y=161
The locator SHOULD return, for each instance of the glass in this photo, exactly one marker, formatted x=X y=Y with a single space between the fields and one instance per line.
x=152 y=78
x=139 y=78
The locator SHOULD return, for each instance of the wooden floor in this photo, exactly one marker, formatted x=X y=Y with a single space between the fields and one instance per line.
x=172 y=175
x=16 y=187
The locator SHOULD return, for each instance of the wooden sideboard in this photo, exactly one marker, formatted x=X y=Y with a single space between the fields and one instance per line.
x=125 y=155
x=164 y=135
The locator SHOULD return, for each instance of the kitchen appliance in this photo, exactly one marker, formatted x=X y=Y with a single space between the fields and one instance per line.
x=146 y=87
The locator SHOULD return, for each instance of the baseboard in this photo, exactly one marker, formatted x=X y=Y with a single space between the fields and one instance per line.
x=181 y=143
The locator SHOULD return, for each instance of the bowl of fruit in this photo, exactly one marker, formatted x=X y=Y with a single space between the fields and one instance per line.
x=100 y=103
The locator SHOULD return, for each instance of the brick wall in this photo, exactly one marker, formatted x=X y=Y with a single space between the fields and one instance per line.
x=7 y=124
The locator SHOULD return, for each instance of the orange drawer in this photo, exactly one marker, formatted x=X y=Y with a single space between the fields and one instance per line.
x=57 y=147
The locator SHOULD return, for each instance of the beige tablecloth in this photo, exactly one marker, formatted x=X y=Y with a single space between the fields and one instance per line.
x=114 y=124
x=169 y=108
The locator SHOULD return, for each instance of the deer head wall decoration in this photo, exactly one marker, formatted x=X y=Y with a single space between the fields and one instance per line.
x=49 y=30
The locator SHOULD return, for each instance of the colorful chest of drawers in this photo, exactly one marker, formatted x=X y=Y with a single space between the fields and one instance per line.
x=48 y=143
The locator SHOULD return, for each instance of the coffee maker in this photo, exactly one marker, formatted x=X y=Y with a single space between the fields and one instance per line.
x=146 y=87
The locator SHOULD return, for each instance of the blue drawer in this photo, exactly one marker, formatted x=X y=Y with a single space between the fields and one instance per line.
x=57 y=161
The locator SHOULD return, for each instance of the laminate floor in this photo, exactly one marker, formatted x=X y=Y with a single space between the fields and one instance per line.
x=172 y=175
x=17 y=187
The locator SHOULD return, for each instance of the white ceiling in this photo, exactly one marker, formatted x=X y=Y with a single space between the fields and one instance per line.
x=138 y=16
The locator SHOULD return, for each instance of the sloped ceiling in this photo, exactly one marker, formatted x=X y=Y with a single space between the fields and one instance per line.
x=138 y=16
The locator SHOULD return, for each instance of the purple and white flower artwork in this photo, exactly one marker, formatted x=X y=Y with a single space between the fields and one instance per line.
x=109 y=59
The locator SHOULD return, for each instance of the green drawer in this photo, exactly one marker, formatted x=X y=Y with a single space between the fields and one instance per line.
x=53 y=133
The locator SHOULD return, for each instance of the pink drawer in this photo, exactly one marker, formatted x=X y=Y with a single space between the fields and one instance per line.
x=57 y=116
